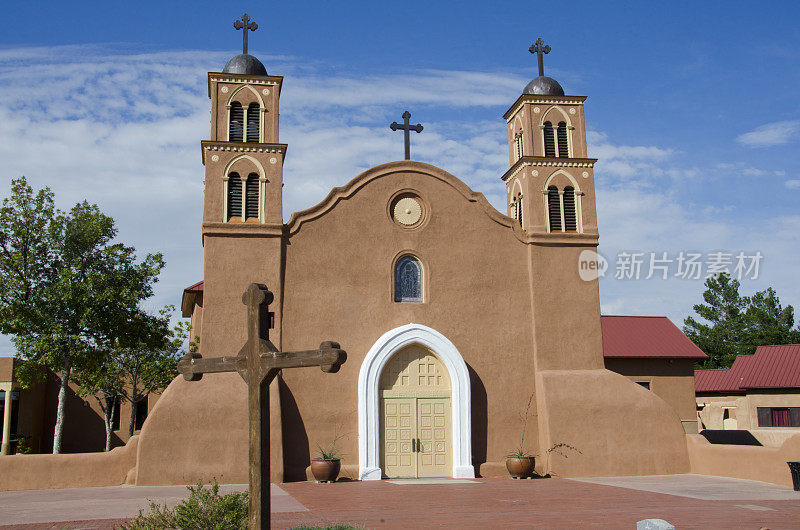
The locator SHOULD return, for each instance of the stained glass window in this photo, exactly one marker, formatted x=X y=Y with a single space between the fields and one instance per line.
x=408 y=280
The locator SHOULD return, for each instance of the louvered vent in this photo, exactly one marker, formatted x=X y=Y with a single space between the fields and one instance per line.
x=549 y=140
x=563 y=146
x=518 y=212
x=570 y=216
x=554 y=208
x=237 y=122
x=253 y=112
x=234 y=196
x=251 y=196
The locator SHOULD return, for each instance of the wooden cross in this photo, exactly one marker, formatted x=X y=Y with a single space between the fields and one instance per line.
x=245 y=25
x=539 y=48
x=406 y=129
x=258 y=362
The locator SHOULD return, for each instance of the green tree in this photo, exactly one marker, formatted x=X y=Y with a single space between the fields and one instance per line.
x=737 y=324
x=147 y=359
x=66 y=287
x=767 y=322
x=724 y=308
x=102 y=381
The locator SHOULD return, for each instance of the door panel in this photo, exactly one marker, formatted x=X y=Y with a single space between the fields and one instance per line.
x=399 y=433
x=415 y=414
x=433 y=432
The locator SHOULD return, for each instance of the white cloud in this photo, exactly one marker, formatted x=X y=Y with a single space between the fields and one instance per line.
x=776 y=133
x=793 y=184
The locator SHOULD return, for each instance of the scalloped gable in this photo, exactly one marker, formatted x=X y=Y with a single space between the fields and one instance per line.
x=348 y=190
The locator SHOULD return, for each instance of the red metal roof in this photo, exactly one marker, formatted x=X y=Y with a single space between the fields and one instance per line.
x=723 y=380
x=196 y=288
x=775 y=366
x=632 y=337
x=714 y=380
x=188 y=298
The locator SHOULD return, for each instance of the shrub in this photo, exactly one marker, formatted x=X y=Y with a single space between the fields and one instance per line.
x=205 y=509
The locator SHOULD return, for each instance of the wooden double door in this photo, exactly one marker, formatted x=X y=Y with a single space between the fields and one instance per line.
x=416 y=430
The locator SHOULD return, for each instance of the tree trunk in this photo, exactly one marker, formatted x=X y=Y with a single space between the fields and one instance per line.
x=62 y=399
x=132 y=424
x=110 y=402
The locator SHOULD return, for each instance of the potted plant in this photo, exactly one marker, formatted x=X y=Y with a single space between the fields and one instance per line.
x=520 y=462
x=326 y=466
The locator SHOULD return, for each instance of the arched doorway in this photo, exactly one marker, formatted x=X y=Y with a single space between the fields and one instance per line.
x=415 y=430
x=370 y=414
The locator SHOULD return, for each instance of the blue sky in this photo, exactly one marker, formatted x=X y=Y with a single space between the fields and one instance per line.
x=692 y=112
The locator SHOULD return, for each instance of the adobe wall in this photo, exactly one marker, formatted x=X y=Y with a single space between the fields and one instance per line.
x=670 y=379
x=6 y=369
x=619 y=427
x=766 y=464
x=744 y=409
x=199 y=432
x=339 y=265
x=26 y=472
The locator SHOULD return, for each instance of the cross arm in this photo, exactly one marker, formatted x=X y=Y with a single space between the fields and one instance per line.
x=417 y=127
x=329 y=357
x=193 y=366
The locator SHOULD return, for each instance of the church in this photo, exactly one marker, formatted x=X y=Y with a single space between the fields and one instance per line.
x=464 y=326
x=469 y=332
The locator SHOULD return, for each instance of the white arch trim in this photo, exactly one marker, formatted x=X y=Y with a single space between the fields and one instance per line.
x=368 y=399
x=256 y=94
x=561 y=172
x=549 y=111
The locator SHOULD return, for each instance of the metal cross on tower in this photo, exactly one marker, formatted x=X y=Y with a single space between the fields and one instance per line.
x=245 y=25
x=258 y=362
x=406 y=130
x=540 y=49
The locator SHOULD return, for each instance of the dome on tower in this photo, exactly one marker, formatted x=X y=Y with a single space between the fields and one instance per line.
x=544 y=86
x=244 y=63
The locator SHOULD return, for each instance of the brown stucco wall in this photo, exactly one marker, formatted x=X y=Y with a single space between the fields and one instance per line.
x=743 y=408
x=6 y=369
x=25 y=472
x=670 y=379
x=767 y=464
x=340 y=268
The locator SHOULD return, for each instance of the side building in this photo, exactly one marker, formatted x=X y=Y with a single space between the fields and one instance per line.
x=759 y=393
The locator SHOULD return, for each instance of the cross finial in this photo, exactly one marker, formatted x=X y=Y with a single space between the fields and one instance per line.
x=540 y=49
x=406 y=128
x=245 y=25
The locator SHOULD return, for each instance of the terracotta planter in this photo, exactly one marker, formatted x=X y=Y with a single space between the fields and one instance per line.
x=520 y=467
x=326 y=470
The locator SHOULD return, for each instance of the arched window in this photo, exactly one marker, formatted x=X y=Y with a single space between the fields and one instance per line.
x=549 y=140
x=236 y=131
x=570 y=215
x=251 y=196
x=518 y=145
x=554 y=208
x=408 y=280
x=234 y=196
x=516 y=206
x=563 y=145
x=253 y=118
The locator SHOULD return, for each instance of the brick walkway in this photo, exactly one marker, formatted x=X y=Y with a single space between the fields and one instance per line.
x=506 y=503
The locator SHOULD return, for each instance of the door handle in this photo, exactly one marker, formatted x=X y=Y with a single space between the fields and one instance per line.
x=413 y=445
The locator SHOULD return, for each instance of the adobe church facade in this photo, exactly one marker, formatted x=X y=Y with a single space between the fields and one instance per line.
x=456 y=318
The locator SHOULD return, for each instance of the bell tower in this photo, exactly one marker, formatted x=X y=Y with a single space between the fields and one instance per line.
x=550 y=184
x=242 y=213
